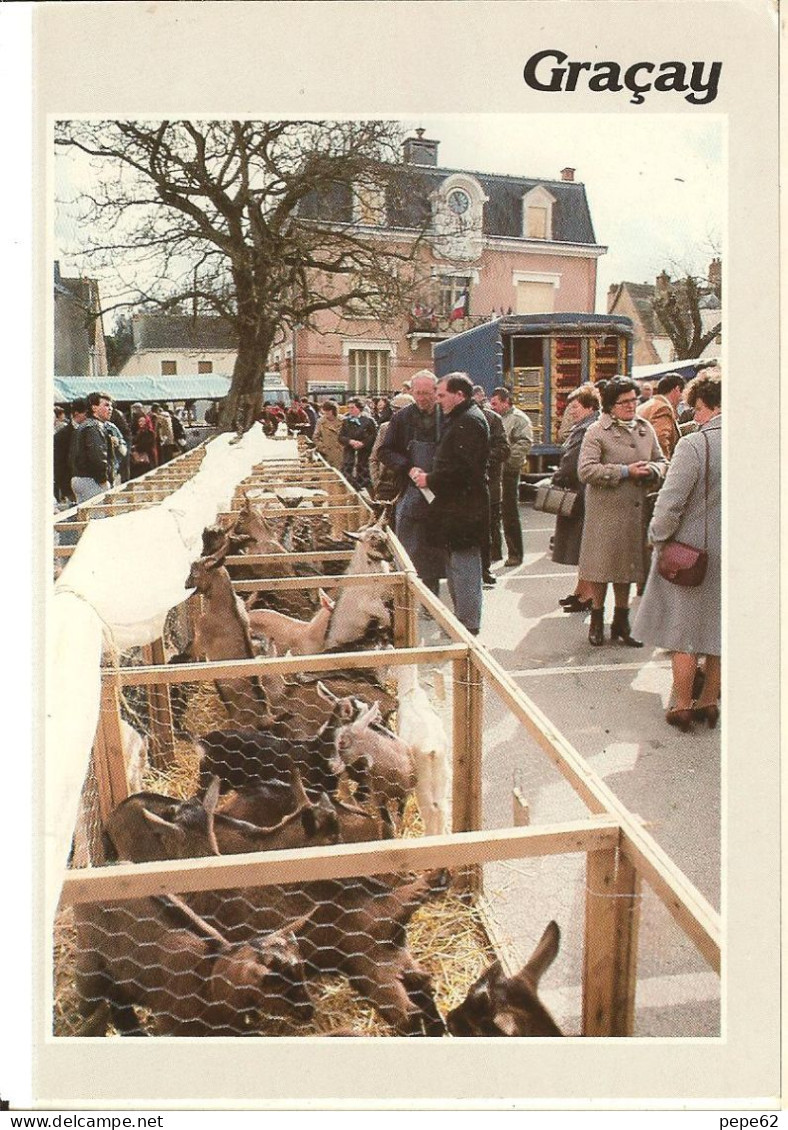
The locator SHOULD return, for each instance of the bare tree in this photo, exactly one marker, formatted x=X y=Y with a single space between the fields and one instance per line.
x=264 y=223
x=678 y=305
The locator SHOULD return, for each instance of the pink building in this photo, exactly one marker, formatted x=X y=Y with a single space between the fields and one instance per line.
x=496 y=245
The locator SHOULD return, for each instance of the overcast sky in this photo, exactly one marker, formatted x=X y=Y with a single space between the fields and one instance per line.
x=656 y=183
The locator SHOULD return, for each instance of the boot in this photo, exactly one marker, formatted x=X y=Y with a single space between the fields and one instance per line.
x=619 y=629
x=596 y=633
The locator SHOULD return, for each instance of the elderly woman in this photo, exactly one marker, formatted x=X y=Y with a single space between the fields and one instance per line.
x=569 y=531
x=620 y=460
x=326 y=435
x=686 y=621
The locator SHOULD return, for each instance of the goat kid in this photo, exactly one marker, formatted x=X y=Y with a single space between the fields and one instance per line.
x=300 y=637
x=157 y=954
x=421 y=728
x=497 y=1005
x=362 y=610
x=380 y=762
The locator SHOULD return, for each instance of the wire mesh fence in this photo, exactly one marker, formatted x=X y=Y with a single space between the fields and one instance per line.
x=293 y=741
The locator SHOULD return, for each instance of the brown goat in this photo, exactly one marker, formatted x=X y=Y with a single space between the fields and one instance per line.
x=148 y=826
x=497 y=1005
x=301 y=637
x=380 y=762
x=158 y=955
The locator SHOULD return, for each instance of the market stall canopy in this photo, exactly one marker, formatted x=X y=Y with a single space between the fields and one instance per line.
x=202 y=386
x=686 y=369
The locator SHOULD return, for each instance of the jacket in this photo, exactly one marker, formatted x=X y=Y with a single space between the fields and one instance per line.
x=614 y=532
x=671 y=617
x=90 y=451
x=499 y=452
x=459 y=479
x=520 y=437
x=326 y=439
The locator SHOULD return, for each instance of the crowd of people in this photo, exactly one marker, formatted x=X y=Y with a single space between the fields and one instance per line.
x=97 y=445
x=644 y=462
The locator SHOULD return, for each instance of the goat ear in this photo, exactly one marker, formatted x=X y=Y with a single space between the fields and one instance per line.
x=298 y=787
x=162 y=825
x=325 y=600
x=544 y=955
x=211 y=798
x=352 y=534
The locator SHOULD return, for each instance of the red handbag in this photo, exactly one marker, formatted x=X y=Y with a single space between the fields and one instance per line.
x=683 y=564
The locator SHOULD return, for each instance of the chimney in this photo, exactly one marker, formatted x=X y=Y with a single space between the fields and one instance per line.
x=567 y=174
x=663 y=283
x=419 y=150
x=715 y=275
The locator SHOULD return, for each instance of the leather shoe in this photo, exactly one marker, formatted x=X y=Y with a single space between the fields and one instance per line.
x=708 y=714
x=681 y=719
x=512 y=562
x=488 y=580
x=579 y=605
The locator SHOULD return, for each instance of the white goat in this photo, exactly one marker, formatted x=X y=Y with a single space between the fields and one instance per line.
x=301 y=637
x=420 y=726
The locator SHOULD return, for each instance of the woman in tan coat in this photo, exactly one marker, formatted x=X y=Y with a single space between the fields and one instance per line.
x=326 y=435
x=620 y=461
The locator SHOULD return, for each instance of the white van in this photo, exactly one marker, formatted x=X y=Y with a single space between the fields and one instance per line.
x=275 y=390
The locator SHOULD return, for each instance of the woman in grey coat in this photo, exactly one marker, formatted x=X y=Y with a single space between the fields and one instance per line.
x=686 y=621
x=620 y=461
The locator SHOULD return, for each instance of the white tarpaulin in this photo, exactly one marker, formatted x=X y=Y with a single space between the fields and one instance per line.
x=124 y=576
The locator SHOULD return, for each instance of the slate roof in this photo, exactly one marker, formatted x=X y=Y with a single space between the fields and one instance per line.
x=408 y=205
x=642 y=295
x=182 y=331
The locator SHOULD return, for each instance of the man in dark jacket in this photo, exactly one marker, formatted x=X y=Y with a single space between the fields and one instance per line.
x=91 y=451
x=62 y=451
x=458 y=479
x=357 y=436
x=492 y=550
x=411 y=439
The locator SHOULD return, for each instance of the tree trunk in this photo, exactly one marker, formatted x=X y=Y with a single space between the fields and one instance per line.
x=244 y=402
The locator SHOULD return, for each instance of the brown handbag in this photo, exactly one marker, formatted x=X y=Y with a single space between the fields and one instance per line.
x=683 y=564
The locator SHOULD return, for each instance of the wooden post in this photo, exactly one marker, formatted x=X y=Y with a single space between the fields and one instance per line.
x=405 y=620
x=108 y=763
x=466 y=773
x=162 y=744
x=610 y=953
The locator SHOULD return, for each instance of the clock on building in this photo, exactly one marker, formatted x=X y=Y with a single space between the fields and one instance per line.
x=459 y=201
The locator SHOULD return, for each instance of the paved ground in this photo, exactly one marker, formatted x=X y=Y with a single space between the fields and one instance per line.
x=609 y=703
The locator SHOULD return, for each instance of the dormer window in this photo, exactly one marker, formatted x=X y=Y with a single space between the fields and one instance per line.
x=538 y=214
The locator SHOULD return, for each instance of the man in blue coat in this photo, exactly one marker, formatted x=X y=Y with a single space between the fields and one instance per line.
x=458 y=480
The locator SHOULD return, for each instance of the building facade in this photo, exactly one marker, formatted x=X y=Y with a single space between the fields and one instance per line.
x=495 y=245
x=80 y=350
x=180 y=345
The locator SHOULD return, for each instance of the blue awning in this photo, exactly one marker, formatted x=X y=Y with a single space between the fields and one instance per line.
x=202 y=386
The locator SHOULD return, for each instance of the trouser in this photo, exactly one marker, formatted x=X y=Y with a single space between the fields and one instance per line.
x=493 y=547
x=510 y=513
x=464 y=576
x=85 y=487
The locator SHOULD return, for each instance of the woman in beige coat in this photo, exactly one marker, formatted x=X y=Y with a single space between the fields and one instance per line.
x=620 y=461
x=326 y=437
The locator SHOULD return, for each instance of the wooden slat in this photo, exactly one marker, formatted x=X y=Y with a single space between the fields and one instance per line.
x=246 y=668
x=342 y=861
x=108 y=763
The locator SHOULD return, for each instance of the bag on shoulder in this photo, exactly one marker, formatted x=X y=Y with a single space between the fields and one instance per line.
x=682 y=564
x=555 y=500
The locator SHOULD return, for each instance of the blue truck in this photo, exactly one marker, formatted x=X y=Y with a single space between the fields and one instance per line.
x=542 y=358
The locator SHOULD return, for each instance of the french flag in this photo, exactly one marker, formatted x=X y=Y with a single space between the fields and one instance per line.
x=460 y=307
